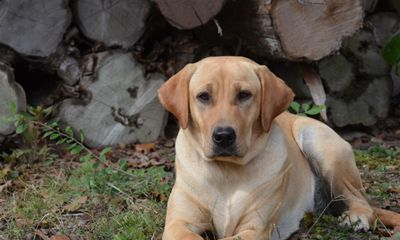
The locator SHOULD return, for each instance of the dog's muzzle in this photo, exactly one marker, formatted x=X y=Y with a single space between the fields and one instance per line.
x=224 y=142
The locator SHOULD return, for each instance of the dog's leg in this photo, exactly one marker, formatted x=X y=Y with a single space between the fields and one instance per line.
x=186 y=219
x=333 y=158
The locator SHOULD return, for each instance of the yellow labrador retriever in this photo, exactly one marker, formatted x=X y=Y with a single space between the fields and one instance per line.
x=245 y=168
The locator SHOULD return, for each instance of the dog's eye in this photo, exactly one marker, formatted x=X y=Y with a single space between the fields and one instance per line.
x=243 y=96
x=204 y=97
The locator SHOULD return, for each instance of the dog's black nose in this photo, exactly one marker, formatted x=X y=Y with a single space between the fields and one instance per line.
x=224 y=136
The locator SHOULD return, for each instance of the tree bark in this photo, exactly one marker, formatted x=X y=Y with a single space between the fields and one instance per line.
x=113 y=22
x=11 y=93
x=251 y=22
x=33 y=27
x=118 y=104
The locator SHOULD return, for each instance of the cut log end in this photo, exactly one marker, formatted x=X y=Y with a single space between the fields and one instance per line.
x=366 y=109
x=122 y=104
x=314 y=29
x=33 y=28
x=118 y=23
x=188 y=14
x=12 y=99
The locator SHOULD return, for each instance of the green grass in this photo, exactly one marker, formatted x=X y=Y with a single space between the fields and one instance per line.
x=116 y=205
x=124 y=203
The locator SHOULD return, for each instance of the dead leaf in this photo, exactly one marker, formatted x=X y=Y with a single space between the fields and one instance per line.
x=41 y=234
x=391 y=167
x=383 y=232
x=5 y=170
x=5 y=185
x=393 y=190
x=23 y=222
x=59 y=237
x=169 y=143
x=314 y=84
x=75 y=204
x=145 y=148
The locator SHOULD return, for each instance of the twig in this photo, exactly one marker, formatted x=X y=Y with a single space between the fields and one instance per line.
x=127 y=196
x=323 y=211
x=81 y=145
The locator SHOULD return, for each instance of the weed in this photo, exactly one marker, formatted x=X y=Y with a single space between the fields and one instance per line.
x=143 y=223
x=123 y=203
x=378 y=157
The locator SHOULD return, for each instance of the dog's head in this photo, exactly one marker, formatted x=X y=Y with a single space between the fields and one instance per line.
x=226 y=103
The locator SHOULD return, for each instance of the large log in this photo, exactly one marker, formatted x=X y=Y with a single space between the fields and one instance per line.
x=291 y=29
x=187 y=14
x=292 y=74
x=119 y=103
x=314 y=29
x=33 y=27
x=251 y=22
x=395 y=75
x=11 y=93
x=384 y=26
x=113 y=22
x=337 y=72
x=362 y=48
x=366 y=109
x=359 y=87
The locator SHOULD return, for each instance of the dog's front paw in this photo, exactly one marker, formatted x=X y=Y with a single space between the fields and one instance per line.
x=358 y=219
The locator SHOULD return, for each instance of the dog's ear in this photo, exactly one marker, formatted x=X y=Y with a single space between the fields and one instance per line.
x=276 y=96
x=174 y=94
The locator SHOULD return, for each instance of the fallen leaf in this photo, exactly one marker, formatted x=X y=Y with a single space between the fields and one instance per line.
x=393 y=190
x=5 y=185
x=59 y=237
x=383 y=232
x=41 y=234
x=145 y=147
x=75 y=204
x=169 y=143
x=391 y=167
x=5 y=170
x=23 y=222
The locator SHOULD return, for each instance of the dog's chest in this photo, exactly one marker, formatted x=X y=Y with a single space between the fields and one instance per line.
x=239 y=198
x=228 y=211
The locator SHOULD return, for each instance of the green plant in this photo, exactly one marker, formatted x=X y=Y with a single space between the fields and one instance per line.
x=383 y=152
x=27 y=125
x=391 y=52
x=305 y=109
x=132 y=200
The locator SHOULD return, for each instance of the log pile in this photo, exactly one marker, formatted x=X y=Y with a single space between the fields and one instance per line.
x=102 y=61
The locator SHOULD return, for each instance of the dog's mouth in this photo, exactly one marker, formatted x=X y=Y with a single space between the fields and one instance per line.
x=224 y=152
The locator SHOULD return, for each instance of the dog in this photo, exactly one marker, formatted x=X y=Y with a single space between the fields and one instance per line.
x=247 y=169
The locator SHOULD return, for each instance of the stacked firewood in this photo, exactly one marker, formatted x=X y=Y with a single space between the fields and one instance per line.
x=100 y=62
